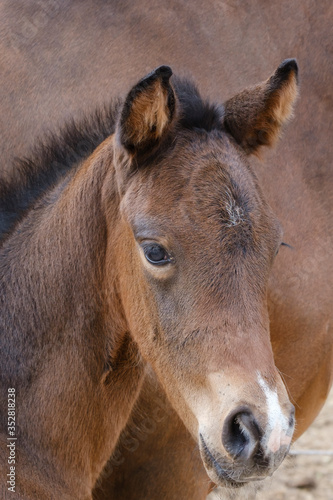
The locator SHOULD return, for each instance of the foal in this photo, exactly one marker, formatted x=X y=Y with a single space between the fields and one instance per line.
x=151 y=243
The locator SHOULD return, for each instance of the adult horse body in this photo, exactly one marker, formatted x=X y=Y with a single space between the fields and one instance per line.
x=297 y=183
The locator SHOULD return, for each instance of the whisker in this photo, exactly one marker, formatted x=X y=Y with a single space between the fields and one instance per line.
x=283 y=376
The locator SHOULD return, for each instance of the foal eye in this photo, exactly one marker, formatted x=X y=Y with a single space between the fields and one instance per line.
x=156 y=254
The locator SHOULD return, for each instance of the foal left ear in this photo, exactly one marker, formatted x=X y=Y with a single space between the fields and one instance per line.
x=147 y=112
x=255 y=116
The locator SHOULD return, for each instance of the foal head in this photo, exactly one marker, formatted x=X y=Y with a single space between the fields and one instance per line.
x=196 y=244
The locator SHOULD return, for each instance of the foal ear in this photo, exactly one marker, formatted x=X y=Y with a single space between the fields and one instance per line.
x=255 y=116
x=147 y=112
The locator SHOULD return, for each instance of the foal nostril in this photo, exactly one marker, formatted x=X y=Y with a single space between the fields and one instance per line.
x=241 y=434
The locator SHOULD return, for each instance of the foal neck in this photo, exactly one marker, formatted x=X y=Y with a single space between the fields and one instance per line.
x=62 y=324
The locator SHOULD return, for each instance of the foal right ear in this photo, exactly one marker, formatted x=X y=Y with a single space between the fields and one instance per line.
x=147 y=112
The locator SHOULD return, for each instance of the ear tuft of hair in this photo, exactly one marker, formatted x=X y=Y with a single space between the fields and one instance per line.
x=255 y=116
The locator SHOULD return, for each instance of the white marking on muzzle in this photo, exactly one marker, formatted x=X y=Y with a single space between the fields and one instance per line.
x=278 y=423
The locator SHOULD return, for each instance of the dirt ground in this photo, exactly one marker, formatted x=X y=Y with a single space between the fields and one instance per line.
x=301 y=477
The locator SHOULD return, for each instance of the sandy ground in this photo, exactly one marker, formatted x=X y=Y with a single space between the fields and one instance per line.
x=301 y=477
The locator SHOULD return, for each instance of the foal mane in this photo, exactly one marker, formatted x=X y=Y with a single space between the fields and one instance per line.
x=50 y=160
x=60 y=153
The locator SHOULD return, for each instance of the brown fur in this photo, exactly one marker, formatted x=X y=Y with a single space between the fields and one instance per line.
x=252 y=129
x=151 y=115
x=148 y=111
x=296 y=180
